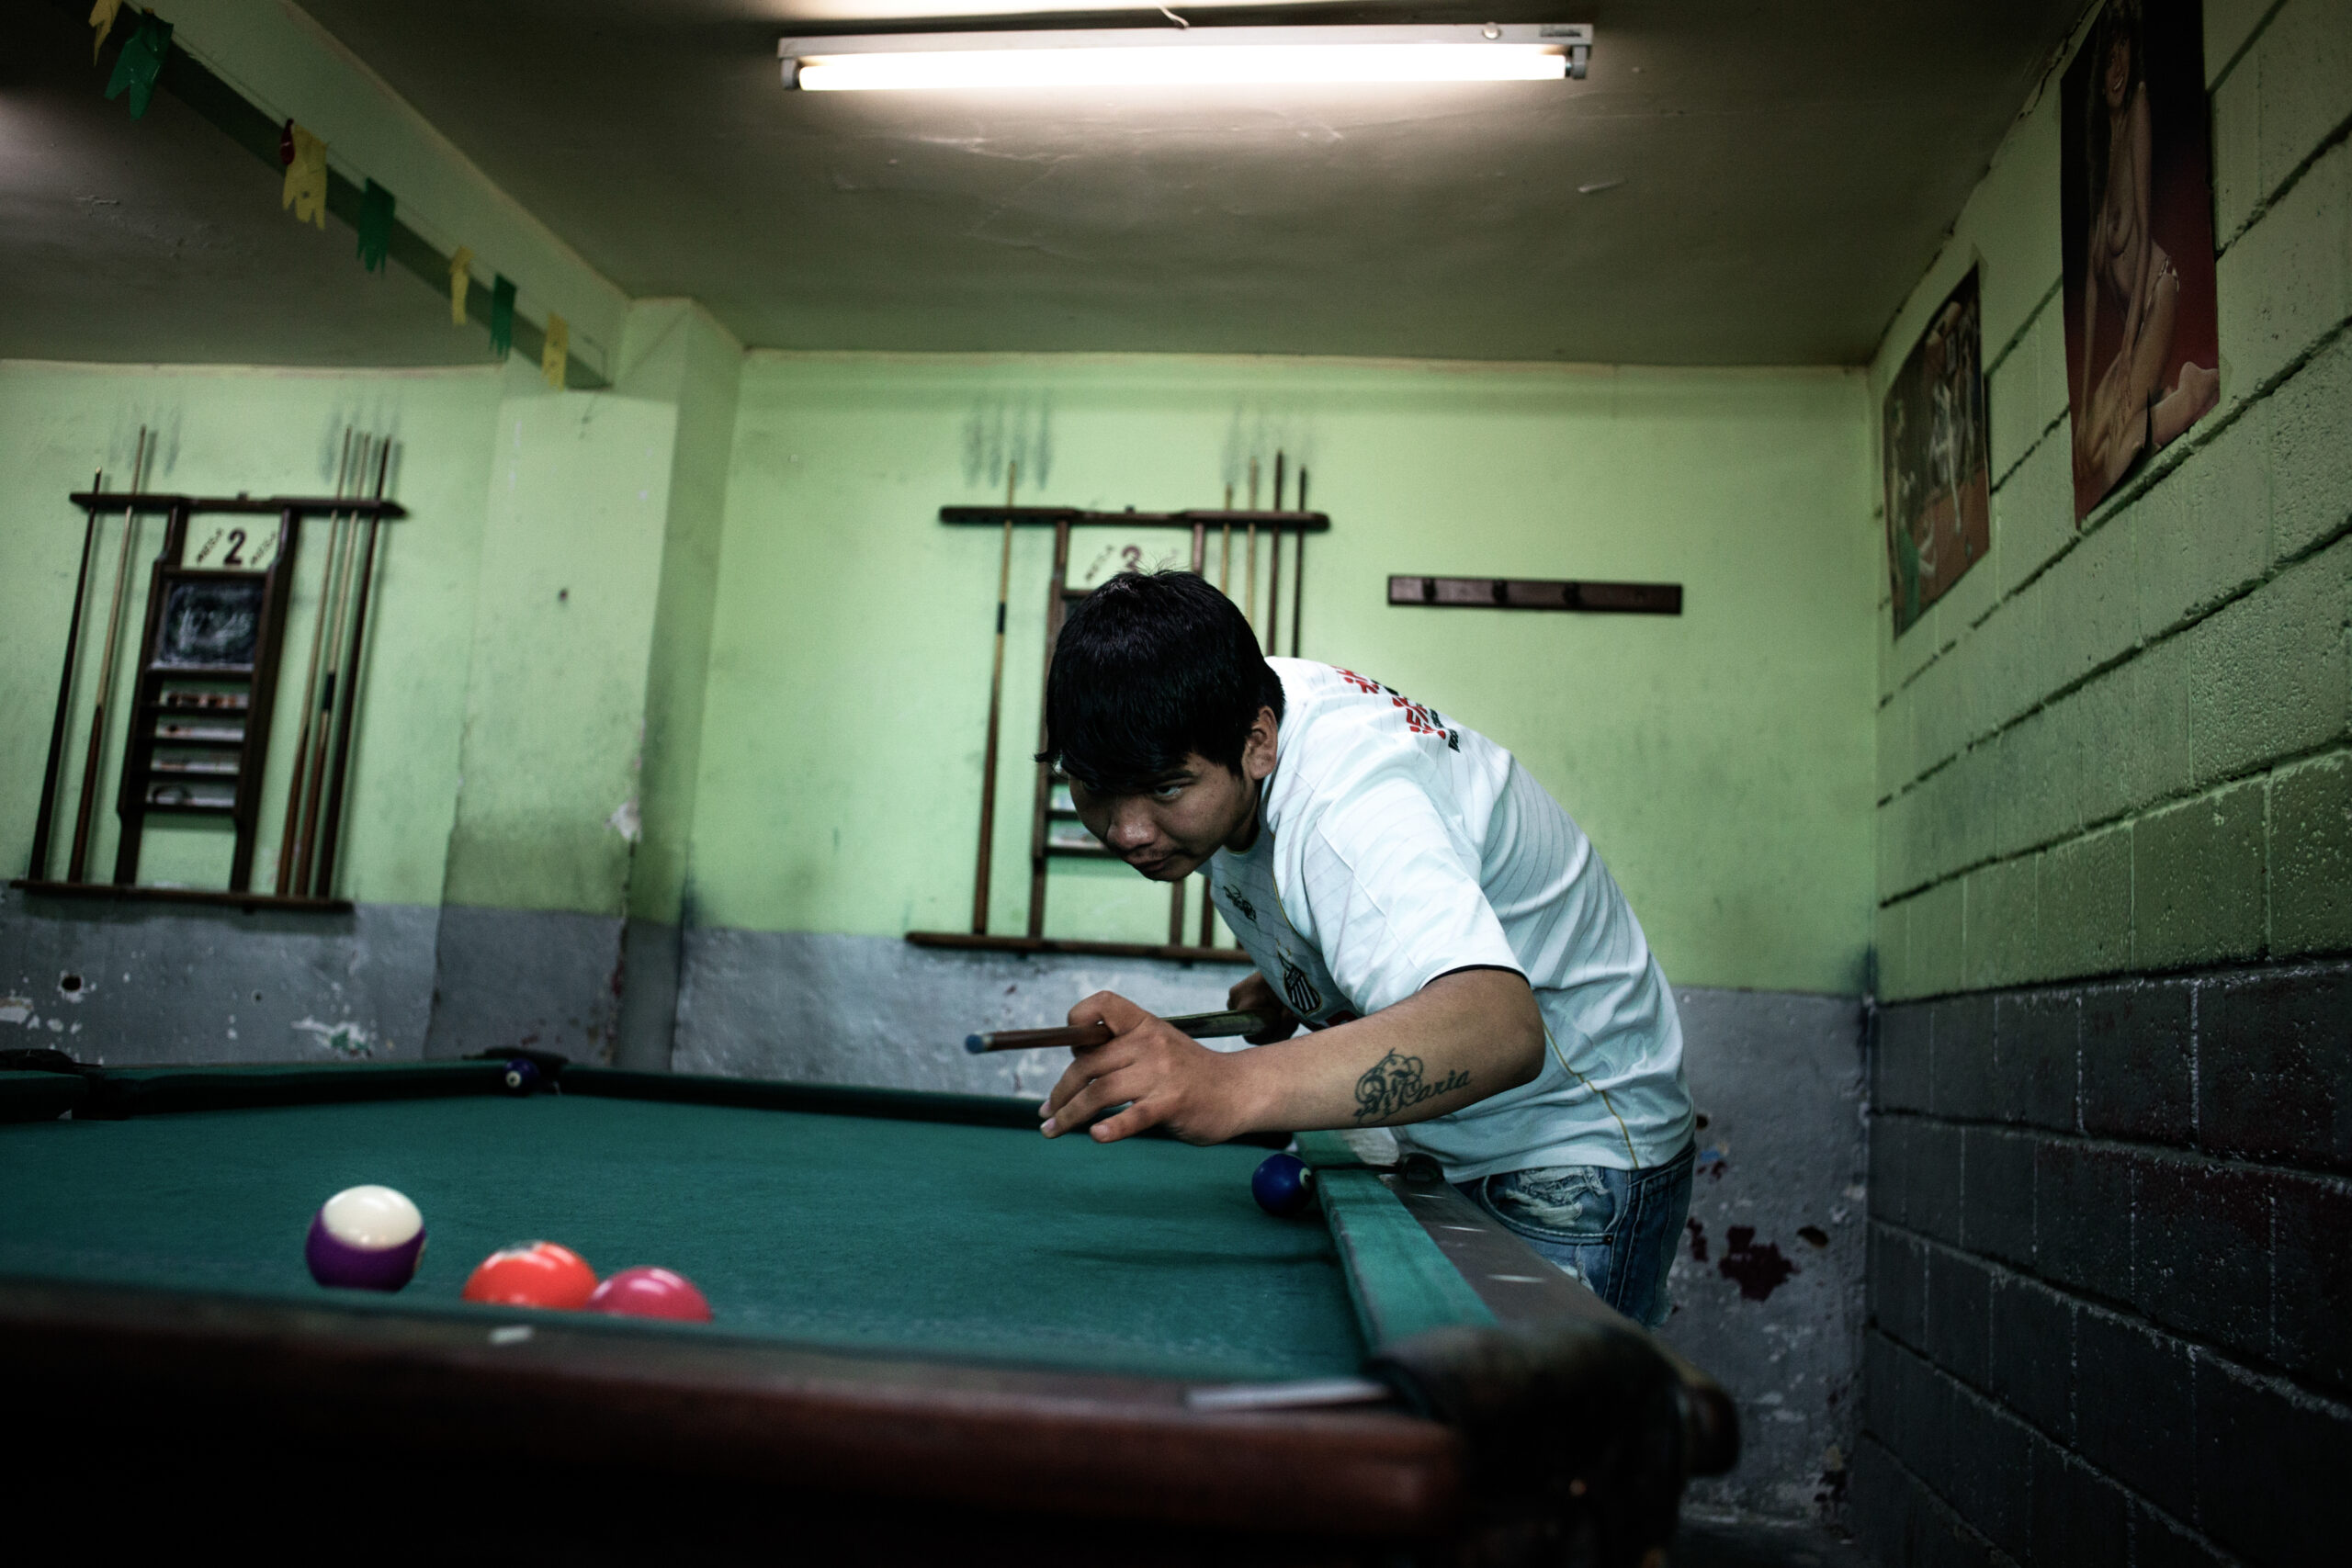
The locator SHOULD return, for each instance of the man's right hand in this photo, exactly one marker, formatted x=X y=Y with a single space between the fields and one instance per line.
x=1256 y=993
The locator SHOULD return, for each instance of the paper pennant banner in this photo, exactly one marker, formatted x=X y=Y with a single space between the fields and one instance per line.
x=558 y=349
x=142 y=59
x=306 y=178
x=462 y=261
x=502 y=317
x=102 y=20
x=375 y=226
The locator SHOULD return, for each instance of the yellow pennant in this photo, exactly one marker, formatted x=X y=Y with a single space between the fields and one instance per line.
x=306 y=180
x=102 y=18
x=559 y=346
x=461 y=263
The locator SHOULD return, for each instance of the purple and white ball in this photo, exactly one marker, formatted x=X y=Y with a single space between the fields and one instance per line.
x=366 y=1238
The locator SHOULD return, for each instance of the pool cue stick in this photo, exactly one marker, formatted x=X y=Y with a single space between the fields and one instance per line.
x=1275 y=571
x=1224 y=575
x=37 y=870
x=1249 y=555
x=996 y=714
x=1086 y=1036
x=77 y=864
x=290 y=844
x=1297 y=566
x=1225 y=548
x=287 y=841
x=349 y=720
x=339 y=594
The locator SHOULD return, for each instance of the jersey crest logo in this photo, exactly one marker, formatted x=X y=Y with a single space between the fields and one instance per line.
x=1418 y=719
x=1249 y=910
x=1299 y=990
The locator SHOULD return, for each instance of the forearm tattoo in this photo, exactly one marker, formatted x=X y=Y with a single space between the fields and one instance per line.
x=1395 y=1083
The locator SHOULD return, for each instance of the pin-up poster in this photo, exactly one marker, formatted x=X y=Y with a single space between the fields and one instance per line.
x=2142 y=339
x=1939 y=495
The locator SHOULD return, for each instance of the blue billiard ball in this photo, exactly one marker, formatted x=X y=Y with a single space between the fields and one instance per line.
x=522 y=1075
x=1283 y=1185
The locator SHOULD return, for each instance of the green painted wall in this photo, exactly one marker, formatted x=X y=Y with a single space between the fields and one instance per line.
x=675 y=353
x=598 y=567
x=2123 y=746
x=270 y=431
x=1721 y=760
x=540 y=632
x=571 y=549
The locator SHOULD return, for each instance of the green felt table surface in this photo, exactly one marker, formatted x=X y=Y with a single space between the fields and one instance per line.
x=871 y=1232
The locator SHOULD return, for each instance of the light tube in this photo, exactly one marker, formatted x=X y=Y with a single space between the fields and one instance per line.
x=1204 y=56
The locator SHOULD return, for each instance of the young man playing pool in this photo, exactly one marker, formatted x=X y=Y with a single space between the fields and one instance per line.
x=1472 y=975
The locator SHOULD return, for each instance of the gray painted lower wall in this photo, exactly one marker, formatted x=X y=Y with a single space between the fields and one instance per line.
x=1767 y=1292
x=126 y=983
x=1767 y=1287
x=649 y=1012
x=874 y=1010
x=509 y=978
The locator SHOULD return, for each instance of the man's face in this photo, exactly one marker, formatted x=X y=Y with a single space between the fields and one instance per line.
x=1170 y=831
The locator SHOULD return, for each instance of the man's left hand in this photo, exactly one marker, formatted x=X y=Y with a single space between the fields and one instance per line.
x=1164 y=1077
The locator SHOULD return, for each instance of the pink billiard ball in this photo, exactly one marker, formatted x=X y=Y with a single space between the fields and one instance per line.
x=364 y=1238
x=650 y=1292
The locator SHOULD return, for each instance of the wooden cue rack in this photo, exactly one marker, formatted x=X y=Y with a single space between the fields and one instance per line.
x=1055 y=832
x=204 y=689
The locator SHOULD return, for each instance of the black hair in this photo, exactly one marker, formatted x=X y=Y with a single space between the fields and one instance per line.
x=1150 y=668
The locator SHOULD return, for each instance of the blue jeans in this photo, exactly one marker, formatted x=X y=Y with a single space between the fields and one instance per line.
x=1617 y=1231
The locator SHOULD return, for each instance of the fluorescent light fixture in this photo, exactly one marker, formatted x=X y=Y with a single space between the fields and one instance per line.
x=1186 y=56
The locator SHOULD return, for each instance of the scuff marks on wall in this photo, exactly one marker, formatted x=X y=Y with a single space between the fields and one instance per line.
x=1256 y=434
x=1016 y=428
x=349 y=1039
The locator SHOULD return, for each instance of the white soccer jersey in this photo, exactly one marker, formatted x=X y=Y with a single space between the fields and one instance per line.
x=1395 y=847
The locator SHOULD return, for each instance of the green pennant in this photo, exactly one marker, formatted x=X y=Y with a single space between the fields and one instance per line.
x=375 y=226
x=502 y=316
x=142 y=59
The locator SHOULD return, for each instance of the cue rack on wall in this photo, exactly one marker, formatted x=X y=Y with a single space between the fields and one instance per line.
x=1054 y=831
x=195 y=725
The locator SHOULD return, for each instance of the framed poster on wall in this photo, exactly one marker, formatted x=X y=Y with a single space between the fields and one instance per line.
x=2142 y=339
x=1939 y=496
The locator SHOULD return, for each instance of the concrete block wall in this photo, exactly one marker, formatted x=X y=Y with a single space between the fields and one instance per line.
x=2109 y=1317
x=2110 y=1301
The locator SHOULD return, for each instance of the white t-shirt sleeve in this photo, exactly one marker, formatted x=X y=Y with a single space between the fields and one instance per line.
x=1391 y=900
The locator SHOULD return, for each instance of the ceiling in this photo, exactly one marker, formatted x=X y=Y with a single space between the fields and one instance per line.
x=158 y=239
x=1735 y=183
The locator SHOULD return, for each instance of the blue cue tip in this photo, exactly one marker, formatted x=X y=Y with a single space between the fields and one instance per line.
x=975 y=1045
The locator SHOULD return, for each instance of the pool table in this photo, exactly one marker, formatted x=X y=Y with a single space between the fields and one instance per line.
x=937 y=1334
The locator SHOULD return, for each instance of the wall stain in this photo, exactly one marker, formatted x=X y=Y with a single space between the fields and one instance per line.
x=1757 y=1270
x=1016 y=430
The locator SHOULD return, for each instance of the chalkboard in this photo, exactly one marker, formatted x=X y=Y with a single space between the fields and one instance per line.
x=211 y=622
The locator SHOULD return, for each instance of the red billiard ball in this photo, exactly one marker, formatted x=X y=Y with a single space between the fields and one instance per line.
x=650 y=1292
x=532 y=1274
